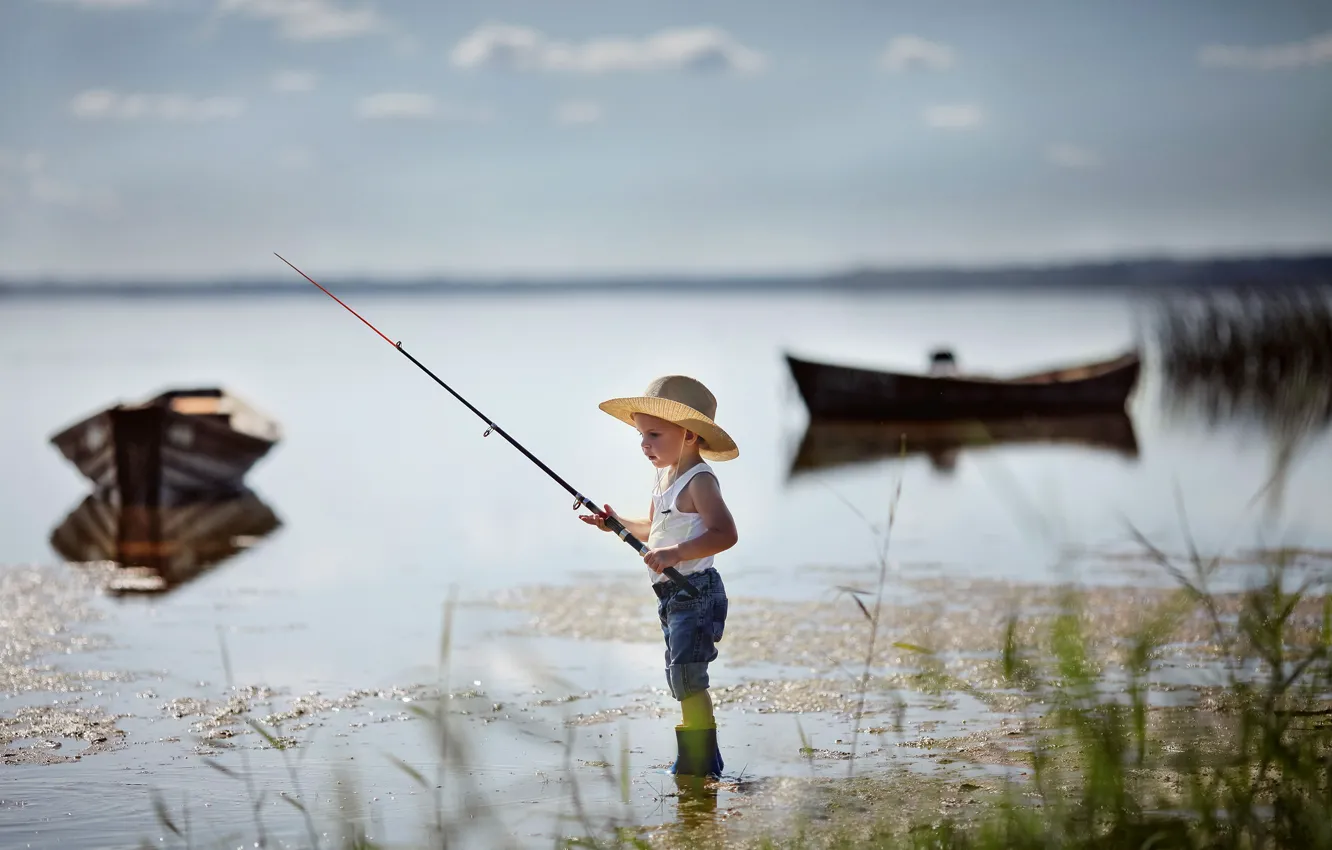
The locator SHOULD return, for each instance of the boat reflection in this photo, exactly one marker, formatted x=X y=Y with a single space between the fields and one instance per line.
x=156 y=550
x=833 y=444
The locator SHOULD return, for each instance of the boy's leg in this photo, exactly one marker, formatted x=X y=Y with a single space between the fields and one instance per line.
x=688 y=649
x=691 y=627
x=696 y=707
x=696 y=711
x=665 y=633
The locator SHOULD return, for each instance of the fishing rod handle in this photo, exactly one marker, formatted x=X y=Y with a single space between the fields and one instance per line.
x=642 y=549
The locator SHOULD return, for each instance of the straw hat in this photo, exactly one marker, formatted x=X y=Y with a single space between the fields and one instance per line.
x=687 y=403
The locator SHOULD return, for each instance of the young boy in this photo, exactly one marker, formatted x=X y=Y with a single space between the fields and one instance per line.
x=687 y=524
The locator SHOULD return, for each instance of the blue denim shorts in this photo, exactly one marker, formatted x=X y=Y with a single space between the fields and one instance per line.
x=692 y=628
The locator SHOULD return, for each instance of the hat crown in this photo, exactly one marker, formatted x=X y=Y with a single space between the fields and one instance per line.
x=684 y=390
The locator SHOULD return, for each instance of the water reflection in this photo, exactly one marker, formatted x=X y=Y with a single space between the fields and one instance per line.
x=1252 y=359
x=830 y=445
x=157 y=549
x=696 y=802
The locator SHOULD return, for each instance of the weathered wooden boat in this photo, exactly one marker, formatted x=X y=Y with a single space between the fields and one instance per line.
x=830 y=445
x=156 y=549
x=178 y=446
x=851 y=393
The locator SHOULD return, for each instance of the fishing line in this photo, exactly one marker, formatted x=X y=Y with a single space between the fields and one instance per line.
x=579 y=499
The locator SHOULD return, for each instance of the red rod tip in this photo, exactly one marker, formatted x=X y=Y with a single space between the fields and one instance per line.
x=335 y=298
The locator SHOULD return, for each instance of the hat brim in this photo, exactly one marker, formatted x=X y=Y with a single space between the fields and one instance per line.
x=719 y=446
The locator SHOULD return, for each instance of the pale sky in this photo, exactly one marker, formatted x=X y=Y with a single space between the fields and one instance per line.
x=183 y=139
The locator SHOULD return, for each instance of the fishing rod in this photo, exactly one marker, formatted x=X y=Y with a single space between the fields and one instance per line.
x=579 y=499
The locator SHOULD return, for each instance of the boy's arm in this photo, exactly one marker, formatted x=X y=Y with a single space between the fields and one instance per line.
x=639 y=528
x=720 y=534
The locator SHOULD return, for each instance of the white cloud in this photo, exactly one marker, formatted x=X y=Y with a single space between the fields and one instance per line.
x=13 y=162
x=415 y=105
x=958 y=116
x=1294 y=54
x=290 y=82
x=49 y=190
x=25 y=175
x=296 y=158
x=307 y=20
x=517 y=48
x=8 y=179
x=578 y=112
x=1066 y=155
x=396 y=105
x=105 y=103
x=906 y=51
x=105 y=5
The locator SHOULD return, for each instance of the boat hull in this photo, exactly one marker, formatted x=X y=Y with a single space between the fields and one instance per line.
x=838 y=392
x=154 y=456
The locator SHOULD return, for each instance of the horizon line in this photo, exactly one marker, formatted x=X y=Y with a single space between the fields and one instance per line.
x=857 y=277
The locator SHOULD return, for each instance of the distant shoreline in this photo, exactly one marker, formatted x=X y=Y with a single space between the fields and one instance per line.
x=1125 y=275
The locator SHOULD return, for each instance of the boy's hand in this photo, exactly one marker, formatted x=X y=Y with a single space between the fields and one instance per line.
x=593 y=519
x=659 y=559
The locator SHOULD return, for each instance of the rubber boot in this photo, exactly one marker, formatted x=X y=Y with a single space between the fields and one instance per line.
x=697 y=753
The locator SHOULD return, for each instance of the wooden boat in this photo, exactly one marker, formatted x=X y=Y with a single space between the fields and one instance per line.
x=178 y=446
x=851 y=393
x=831 y=445
x=158 y=549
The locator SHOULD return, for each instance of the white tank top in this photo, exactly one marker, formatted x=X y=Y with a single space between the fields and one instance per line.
x=671 y=525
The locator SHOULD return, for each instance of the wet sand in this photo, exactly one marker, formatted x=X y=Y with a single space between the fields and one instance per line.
x=787 y=691
x=46 y=616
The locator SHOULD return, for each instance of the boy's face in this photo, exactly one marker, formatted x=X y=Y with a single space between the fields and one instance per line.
x=661 y=440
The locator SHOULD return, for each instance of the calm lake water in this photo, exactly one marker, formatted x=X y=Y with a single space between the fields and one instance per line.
x=389 y=497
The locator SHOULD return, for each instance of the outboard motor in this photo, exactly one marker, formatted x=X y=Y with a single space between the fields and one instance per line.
x=942 y=362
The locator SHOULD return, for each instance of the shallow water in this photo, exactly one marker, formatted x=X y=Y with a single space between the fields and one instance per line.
x=389 y=498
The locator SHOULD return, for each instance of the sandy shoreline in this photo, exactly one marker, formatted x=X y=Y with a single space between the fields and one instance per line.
x=942 y=716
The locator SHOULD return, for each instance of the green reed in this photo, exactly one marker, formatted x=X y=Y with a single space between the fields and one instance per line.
x=1256 y=358
x=1111 y=755
x=1111 y=767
